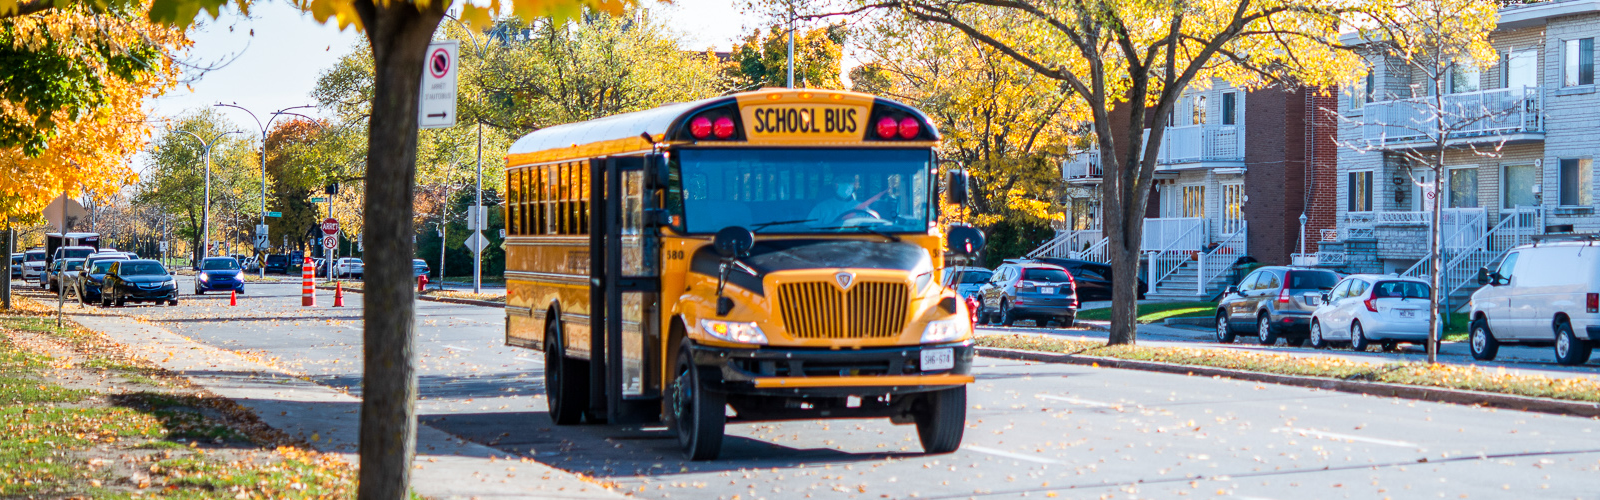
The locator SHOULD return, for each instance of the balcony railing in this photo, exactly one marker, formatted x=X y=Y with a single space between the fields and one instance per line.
x=1459 y=224
x=1484 y=115
x=1082 y=165
x=1178 y=233
x=1198 y=143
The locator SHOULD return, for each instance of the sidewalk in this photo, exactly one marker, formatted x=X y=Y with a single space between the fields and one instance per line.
x=446 y=467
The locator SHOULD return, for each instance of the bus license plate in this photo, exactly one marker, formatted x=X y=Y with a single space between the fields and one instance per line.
x=938 y=359
x=1047 y=290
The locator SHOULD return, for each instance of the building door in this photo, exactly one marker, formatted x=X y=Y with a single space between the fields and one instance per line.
x=1232 y=207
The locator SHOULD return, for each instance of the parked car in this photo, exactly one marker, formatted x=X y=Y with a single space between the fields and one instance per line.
x=1372 y=308
x=419 y=267
x=139 y=280
x=16 y=266
x=250 y=264
x=1021 y=290
x=319 y=267
x=278 y=263
x=1544 y=294
x=90 y=279
x=1276 y=301
x=73 y=252
x=1093 y=279
x=347 y=267
x=218 y=273
x=971 y=279
x=33 y=264
x=62 y=274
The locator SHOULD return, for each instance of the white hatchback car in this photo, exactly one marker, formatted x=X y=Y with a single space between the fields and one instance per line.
x=1372 y=308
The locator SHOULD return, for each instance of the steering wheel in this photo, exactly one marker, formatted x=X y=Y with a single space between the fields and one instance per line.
x=860 y=217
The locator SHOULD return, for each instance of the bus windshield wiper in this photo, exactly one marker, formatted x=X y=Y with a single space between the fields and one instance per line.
x=863 y=229
x=764 y=225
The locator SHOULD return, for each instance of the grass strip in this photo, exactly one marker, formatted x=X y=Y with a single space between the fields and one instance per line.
x=1461 y=377
x=1151 y=312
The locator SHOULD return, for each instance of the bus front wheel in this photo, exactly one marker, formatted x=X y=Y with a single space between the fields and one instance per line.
x=698 y=415
x=941 y=420
x=566 y=382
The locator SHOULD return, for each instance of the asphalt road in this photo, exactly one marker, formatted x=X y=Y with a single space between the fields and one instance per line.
x=1033 y=429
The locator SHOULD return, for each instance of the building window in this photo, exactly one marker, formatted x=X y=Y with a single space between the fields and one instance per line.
x=1578 y=58
x=1463 y=188
x=1232 y=208
x=1360 y=192
x=1230 y=105
x=1194 y=201
x=1199 y=113
x=1464 y=78
x=1577 y=182
x=1083 y=215
x=1522 y=69
x=1363 y=94
x=1519 y=181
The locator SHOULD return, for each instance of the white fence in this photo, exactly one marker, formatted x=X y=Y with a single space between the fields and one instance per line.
x=1214 y=263
x=1461 y=226
x=1180 y=233
x=1195 y=143
x=1465 y=115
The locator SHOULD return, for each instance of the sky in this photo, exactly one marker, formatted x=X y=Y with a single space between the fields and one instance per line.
x=271 y=60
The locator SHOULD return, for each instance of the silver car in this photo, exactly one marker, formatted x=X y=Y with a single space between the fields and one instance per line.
x=1367 y=309
x=966 y=280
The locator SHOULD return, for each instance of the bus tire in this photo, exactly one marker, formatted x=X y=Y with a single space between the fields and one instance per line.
x=698 y=415
x=942 y=420
x=566 y=382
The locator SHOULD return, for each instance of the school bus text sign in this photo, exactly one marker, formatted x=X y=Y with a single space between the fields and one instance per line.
x=804 y=122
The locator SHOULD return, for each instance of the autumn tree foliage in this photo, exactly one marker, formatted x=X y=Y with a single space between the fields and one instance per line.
x=175 y=180
x=762 y=58
x=1009 y=127
x=72 y=99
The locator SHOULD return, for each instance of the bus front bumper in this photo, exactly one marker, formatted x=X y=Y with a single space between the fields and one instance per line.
x=845 y=372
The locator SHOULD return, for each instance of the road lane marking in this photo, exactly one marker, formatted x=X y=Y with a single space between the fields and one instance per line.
x=457 y=348
x=531 y=360
x=1007 y=454
x=1347 y=437
x=1078 y=401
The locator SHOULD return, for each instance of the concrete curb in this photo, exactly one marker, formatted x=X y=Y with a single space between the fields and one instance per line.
x=1422 y=393
x=449 y=300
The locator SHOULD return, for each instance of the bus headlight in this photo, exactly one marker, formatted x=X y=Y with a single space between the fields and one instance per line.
x=733 y=331
x=945 y=330
x=922 y=281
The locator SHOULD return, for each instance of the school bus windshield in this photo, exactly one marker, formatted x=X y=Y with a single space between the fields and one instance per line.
x=802 y=190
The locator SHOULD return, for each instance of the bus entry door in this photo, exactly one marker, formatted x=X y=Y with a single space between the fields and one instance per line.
x=624 y=292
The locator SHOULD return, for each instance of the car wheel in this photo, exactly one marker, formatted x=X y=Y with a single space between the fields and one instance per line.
x=1481 y=341
x=1042 y=322
x=1358 y=337
x=121 y=302
x=942 y=419
x=1067 y=321
x=1264 y=333
x=698 y=415
x=173 y=303
x=1006 y=318
x=566 y=380
x=1570 y=350
x=1317 y=340
x=1225 y=333
x=198 y=290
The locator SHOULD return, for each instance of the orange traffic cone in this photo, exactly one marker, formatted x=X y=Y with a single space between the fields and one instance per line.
x=233 y=297
x=338 y=294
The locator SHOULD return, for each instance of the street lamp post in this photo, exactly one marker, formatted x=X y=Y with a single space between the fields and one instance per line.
x=205 y=214
x=476 y=215
x=260 y=255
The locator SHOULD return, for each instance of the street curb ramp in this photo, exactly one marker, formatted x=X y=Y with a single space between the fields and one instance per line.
x=1382 y=389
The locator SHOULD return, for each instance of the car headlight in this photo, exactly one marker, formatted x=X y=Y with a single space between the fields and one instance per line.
x=204 y=277
x=945 y=330
x=733 y=331
x=169 y=283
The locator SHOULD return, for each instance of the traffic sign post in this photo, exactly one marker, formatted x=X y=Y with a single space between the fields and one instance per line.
x=330 y=242
x=274 y=214
x=476 y=242
x=437 y=108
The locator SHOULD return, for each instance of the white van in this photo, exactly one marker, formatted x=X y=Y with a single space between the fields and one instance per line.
x=1543 y=294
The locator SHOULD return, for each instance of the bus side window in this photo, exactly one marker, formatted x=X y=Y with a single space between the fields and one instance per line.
x=513 y=201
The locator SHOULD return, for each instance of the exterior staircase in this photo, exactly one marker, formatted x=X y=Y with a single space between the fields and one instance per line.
x=1183 y=284
x=1462 y=258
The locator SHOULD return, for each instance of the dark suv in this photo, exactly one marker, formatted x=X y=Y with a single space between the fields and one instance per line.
x=1275 y=302
x=1028 y=290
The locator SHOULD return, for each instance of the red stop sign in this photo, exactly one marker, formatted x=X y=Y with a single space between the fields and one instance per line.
x=330 y=226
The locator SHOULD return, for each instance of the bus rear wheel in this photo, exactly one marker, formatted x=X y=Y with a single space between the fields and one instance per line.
x=942 y=419
x=566 y=382
x=698 y=415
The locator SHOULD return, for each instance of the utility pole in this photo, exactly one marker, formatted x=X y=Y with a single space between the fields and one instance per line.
x=791 y=44
x=261 y=234
x=477 y=217
x=205 y=214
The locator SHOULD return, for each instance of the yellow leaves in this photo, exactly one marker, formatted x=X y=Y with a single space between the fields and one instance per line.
x=1021 y=201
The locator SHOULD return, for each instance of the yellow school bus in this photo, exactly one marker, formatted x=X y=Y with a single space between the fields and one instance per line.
x=768 y=255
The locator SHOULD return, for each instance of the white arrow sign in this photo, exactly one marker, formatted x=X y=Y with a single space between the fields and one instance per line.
x=477 y=243
x=437 y=106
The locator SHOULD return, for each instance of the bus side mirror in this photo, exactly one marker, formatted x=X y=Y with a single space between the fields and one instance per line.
x=956 y=182
x=655 y=171
x=964 y=240
x=733 y=242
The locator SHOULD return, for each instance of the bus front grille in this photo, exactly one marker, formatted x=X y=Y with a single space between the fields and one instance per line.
x=819 y=310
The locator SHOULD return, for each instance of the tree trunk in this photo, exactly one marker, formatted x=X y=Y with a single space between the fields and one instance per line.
x=399 y=33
